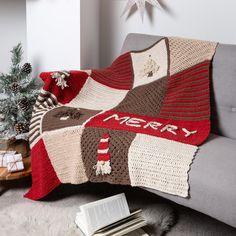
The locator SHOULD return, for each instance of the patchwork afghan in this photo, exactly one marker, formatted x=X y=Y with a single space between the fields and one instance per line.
x=138 y=122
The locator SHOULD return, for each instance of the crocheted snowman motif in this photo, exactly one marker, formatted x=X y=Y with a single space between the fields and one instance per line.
x=103 y=166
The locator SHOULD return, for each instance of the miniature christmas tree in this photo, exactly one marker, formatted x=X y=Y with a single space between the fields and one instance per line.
x=150 y=68
x=18 y=92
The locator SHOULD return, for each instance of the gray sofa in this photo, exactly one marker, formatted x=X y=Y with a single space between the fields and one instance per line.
x=212 y=176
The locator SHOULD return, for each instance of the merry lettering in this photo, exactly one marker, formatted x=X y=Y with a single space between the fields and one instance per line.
x=140 y=123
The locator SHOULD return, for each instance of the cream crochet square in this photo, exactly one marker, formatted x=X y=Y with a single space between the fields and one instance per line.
x=160 y=164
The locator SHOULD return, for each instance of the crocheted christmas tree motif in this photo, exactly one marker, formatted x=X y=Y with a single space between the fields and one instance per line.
x=103 y=166
x=150 y=68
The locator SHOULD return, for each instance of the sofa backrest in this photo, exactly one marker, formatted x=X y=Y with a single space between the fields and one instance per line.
x=223 y=85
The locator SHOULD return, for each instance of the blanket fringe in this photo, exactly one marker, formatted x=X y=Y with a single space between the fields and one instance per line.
x=103 y=168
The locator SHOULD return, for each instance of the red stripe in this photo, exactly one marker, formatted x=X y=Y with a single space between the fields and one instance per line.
x=121 y=86
x=189 y=86
x=104 y=157
x=203 y=114
x=188 y=79
x=188 y=91
x=110 y=77
x=191 y=69
x=122 y=58
x=111 y=82
x=192 y=100
x=116 y=76
x=123 y=74
x=126 y=67
x=190 y=106
x=103 y=145
x=180 y=96
x=185 y=76
x=194 y=109
x=121 y=61
x=194 y=83
x=105 y=136
x=186 y=101
x=125 y=55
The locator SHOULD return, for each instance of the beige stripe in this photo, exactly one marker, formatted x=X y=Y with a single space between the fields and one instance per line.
x=32 y=126
x=40 y=98
x=103 y=151
x=185 y=53
x=35 y=110
x=34 y=137
x=104 y=140
x=37 y=114
x=35 y=119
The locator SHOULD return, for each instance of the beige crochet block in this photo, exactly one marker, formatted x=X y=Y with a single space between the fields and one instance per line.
x=64 y=151
x=151 y=64
x=160 y=164
x=185 y=53
x=96 y=96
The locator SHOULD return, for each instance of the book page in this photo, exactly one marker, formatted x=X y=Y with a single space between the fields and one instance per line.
x=123 y=228
x=81 y=222
x=133 y=215
x=104 y=212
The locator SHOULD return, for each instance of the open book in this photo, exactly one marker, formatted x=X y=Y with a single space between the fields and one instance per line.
x=109 y=216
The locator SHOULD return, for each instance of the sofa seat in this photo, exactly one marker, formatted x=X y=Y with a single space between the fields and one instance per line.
x=212 y=180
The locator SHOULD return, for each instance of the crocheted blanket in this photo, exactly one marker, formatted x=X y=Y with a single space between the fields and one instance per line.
x=138 y=122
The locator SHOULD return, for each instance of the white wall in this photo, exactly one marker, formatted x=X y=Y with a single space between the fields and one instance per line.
x=63 y=34
x=201 y=19
x=56 y=41
x=13 y=29
x=53 y=34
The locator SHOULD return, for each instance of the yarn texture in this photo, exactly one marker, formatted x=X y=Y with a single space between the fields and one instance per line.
x=139 y=122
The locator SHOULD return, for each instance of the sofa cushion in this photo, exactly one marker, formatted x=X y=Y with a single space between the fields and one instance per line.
x=223 y=83
x=212 y=180
x=224 y=87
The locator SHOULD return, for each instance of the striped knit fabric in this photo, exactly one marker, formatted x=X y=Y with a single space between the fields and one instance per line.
x=138 y=122
x=44 y=103
x=118 y=75
x=187 y=96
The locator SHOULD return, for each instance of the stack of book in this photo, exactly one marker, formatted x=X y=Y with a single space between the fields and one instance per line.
x=110 y=216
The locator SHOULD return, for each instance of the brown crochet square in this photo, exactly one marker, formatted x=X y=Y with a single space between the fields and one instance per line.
x=119 y=144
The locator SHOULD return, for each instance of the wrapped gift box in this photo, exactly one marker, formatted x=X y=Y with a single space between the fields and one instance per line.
x=14 y=162
x=3 y=157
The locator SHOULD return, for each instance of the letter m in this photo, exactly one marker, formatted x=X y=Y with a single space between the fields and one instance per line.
x=116 y=117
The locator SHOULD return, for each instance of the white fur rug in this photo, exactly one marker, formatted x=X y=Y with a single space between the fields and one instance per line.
x=55 y=216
